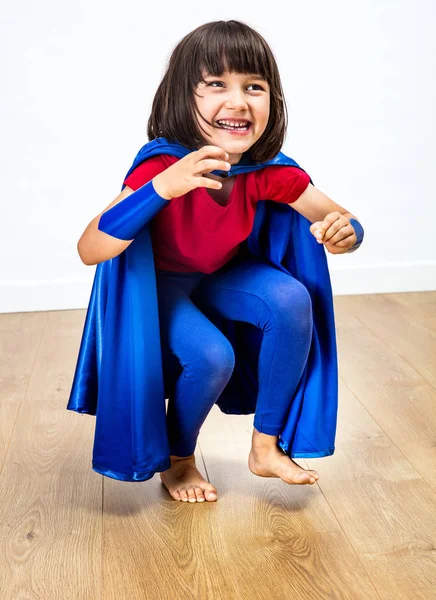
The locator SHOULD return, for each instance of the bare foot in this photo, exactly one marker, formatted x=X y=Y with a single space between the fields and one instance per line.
x=272 y=462
x=184 y=481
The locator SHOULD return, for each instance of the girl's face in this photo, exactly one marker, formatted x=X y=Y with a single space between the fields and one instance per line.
x=233 y=97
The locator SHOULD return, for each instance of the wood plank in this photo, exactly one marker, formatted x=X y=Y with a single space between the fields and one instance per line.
x=280 y=540
x=20 y=336
x=379 y=480
x=412 y=338
x=421 y=304
x=384 y=506
x=372 y=364
x=169 y=549
x=50 y=510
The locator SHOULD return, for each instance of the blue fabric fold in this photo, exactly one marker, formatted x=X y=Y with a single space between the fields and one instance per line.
x=119 y=375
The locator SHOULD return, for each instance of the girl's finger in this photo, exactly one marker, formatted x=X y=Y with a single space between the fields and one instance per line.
x=344 y=242
x=336 y=227
x=206 y=151
x=208 y=165
x=209 y=183
x=339 y=235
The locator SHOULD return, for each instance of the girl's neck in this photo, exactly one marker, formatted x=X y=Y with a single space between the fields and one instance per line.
x=234 y=158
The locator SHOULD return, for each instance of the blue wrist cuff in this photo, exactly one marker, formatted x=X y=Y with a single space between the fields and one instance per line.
x=126 y=219
x=359 y=231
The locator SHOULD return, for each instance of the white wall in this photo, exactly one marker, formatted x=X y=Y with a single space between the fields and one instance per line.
x=78 y=80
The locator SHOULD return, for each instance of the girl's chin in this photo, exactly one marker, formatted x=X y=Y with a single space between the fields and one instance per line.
x=232 y=144
x=235 y=145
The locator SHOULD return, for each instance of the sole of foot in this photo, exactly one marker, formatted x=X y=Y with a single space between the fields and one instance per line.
x=274 y=463
x=184 y=481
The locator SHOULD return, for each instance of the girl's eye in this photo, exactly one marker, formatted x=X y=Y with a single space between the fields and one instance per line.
x=221 y=82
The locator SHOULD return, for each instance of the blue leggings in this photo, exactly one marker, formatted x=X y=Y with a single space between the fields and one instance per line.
x=245 y=289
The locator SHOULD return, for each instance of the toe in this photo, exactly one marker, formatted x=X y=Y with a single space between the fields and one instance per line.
x=176 y=495
x=199 y=494
x=210 y=495
x=303 y=477
x=191 y=495
x=312 y=477
x=183 y=495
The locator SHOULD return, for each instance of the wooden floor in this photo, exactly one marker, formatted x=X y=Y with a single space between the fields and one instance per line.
x=366 y=530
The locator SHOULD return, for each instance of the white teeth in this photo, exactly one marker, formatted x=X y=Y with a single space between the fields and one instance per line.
x=242 y=124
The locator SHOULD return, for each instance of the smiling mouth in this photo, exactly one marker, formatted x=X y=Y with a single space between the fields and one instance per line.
x=235 y=127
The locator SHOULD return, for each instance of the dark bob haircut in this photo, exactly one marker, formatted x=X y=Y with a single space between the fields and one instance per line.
x=214 y=48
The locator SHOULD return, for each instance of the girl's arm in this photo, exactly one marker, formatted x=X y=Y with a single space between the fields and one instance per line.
x=314 y=205
x=94 y=246
x=332 y=225
x=115 y=228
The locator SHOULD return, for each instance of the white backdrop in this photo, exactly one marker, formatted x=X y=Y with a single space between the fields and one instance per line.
x=78 y=81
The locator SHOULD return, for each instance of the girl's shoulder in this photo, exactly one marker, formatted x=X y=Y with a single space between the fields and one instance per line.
x=149 y=168
x=282 y=183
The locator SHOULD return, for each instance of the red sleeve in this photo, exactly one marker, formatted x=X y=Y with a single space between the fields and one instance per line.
x=144 y=172
x=281 y=183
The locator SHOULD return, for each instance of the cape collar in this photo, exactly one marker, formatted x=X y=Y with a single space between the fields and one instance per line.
x=161 y=145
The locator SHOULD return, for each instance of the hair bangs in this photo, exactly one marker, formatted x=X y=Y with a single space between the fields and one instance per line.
x=231 y=46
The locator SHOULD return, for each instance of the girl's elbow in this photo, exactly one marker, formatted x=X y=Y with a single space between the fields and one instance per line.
x=84 y=257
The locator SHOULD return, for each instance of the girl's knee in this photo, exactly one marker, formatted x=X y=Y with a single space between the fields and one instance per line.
x=217 y=358
x=292 y=303
x=292 y=295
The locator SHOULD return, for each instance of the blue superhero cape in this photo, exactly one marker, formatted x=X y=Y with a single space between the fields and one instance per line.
x=119 y=372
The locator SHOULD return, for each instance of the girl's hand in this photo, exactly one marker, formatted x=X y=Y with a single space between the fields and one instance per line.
x=186 y=174
x=335 y=232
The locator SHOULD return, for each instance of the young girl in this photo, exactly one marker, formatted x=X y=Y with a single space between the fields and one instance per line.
x=218 y=123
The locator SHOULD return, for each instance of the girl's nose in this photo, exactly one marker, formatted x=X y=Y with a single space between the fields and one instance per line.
x=236 y=100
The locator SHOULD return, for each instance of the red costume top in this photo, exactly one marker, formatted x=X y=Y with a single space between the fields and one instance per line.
x=195 y=233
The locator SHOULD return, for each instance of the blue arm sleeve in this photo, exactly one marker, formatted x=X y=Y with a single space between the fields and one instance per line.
x=126 y=219
x=359 y=234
